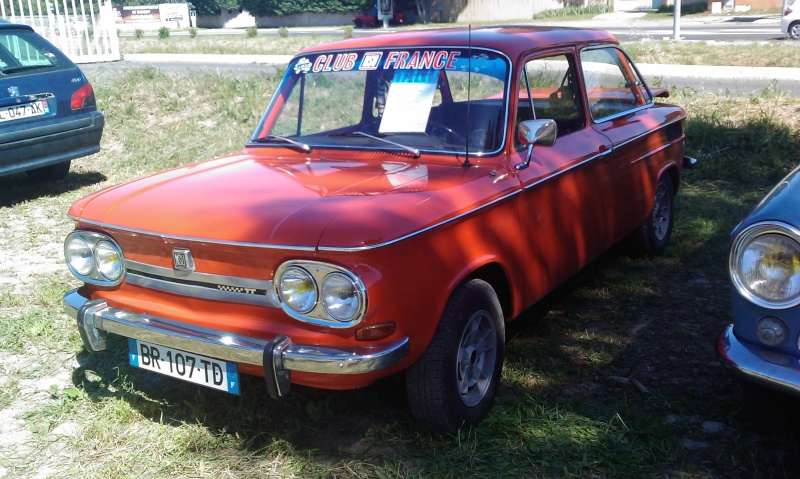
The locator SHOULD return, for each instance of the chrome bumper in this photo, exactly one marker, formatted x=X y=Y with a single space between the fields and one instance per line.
x=769 y=368
x=278 y=356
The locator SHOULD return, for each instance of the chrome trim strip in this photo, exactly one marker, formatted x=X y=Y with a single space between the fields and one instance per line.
x=620 y=114
x=222 y=345
x=560 y=172
x=648 y=132
x=191 y=238
x=769 y=368
x=420 y=231
x=259 y=292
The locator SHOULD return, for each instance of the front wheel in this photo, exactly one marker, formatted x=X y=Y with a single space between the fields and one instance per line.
x=453 y=383
x=653 y=236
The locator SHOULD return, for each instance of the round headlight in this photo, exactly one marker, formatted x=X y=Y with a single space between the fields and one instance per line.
x=766 y=266
x=108 y=260
x=78 y=254
x=340 y=297
x=297 y=289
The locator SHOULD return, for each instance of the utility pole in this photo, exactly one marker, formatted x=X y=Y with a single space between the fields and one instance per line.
x=676 y=21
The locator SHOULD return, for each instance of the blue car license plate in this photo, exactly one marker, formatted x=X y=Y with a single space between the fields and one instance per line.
x=190 y=367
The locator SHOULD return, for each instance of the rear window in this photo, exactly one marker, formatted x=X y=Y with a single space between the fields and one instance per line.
x=23 y=51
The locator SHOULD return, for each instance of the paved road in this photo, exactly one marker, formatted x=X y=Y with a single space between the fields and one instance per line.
x=632 y=26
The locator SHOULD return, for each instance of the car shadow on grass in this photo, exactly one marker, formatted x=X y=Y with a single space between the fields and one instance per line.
x=327 y=421
x=18 y=188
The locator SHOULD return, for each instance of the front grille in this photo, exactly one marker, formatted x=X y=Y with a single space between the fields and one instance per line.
x=201 y=285
x=674 y=131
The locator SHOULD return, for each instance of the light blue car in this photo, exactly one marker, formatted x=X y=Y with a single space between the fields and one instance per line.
x=763 y=343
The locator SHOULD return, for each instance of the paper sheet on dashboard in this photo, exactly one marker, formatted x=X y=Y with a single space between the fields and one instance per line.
x=408 y=105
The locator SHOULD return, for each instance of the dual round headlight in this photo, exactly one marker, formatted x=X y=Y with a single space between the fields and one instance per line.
x=94 y=258
x=765 y=265
x=320 y=293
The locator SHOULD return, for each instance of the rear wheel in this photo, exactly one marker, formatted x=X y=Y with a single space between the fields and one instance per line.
x=50 y=172
x=653 y=236
x=453 y=383
x=794 y=30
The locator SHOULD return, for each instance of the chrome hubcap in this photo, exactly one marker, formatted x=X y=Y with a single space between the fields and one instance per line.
x=662 y=210
x=477 y=353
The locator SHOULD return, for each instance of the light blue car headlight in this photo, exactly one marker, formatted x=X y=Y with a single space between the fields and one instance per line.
x=764 y=265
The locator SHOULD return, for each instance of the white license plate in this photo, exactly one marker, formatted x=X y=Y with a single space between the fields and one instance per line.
x=190 y=367
x=26 y=110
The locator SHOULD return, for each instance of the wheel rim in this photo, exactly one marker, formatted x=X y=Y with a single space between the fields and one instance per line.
x=477 y=353
x=795 y=31
x=662 y=211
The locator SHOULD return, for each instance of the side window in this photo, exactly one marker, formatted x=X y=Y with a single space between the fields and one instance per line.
x=548 y=90
x=612 y=85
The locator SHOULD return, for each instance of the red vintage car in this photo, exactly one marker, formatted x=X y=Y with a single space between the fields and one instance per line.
x=402 y=198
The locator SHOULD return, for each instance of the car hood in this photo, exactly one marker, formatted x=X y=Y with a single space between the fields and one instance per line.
x=781 y=204
x=309 y=202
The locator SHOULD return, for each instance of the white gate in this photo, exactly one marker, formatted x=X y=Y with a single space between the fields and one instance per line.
x=84 y=30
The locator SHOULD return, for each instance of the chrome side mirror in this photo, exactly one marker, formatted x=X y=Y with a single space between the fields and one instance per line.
x=536 y=132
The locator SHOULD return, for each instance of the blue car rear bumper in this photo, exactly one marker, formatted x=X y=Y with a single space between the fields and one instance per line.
x=53 y=143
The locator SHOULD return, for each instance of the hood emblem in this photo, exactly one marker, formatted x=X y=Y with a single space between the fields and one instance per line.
x=13 y=91
x=182 y=259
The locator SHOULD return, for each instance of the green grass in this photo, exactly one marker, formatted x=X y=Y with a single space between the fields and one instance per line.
x=777 y=54
x=559 y=411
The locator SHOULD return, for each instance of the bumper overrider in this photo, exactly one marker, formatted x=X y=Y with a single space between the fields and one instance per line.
x=769 y=368
x=278 y=356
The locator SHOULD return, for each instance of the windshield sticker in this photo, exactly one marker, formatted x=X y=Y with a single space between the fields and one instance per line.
x=302 y=66
x=409 y=102
x=421 y=60
x=397 y=60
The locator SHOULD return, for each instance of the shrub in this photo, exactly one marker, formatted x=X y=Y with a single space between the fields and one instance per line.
x=283 y=32
x=163 y=32
x=572 y=11
x=251 y=32
x=138 y=33
x=192 y=32
x=348 y=31
x=687 y=9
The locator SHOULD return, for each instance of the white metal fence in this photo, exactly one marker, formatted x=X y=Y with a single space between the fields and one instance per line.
x=84 y=30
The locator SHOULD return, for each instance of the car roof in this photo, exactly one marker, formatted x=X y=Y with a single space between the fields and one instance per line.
x=513 y=40
x=5 y=23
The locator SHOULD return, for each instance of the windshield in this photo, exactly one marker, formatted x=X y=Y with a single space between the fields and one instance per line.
x=440 y=100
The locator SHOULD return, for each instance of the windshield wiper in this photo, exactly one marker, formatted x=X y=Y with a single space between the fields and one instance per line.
x=20 y=68
x=296 y=144
x=413 y=151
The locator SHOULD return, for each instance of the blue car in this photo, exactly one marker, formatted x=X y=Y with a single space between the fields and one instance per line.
x=48 y=114
x=763 y=343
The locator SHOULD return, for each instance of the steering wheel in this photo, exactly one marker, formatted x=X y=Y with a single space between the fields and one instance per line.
x=444 y=132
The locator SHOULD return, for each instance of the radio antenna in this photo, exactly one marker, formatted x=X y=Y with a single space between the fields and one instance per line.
x=469 y=87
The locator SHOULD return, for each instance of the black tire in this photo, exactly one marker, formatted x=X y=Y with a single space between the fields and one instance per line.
x=49 y=173
x=794 y=31
x=652 y=238
x=359 y=23
x=454 y=382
